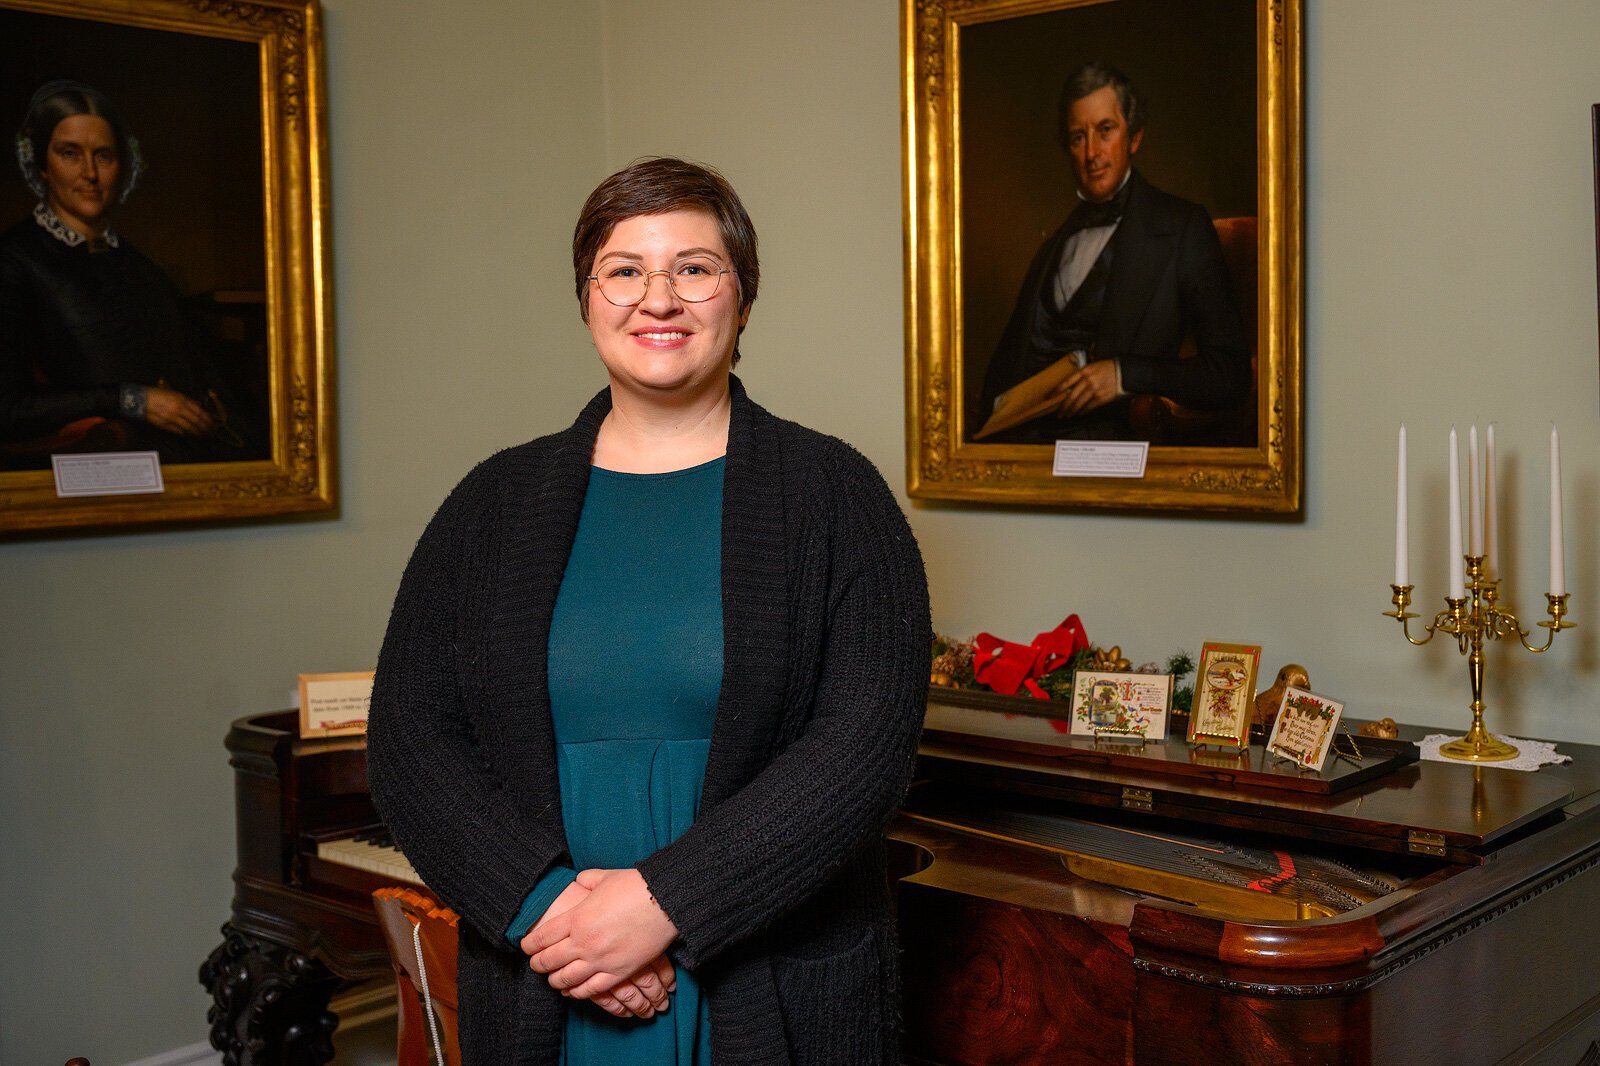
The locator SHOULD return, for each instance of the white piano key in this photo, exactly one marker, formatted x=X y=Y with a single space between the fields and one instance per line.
x=361 y=855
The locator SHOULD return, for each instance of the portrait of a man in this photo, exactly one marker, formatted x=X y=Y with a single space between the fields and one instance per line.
x=1105 y=245
x=1130 y=296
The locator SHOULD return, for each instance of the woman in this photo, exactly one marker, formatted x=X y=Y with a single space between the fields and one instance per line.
x=96 y=351
x=653 y=684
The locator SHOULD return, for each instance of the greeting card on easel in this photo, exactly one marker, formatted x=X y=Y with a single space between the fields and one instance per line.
x=1305 y=728
x=1121 y=705
x=1224 y=695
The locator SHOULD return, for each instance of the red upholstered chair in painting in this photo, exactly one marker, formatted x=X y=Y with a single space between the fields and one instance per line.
x=412 y=922
x=92 y=434
x=1164 y=421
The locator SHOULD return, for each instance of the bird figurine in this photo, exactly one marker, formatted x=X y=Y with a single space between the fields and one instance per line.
x=1384 y=729
x=1268 y=702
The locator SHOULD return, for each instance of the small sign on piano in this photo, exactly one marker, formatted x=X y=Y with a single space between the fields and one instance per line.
x=333 y=705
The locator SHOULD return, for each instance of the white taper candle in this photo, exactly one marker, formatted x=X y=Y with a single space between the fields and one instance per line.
x=1558 y=560
x=1475 y=500
x=1402 y=560
x=1491 y=538
x=1456 y=584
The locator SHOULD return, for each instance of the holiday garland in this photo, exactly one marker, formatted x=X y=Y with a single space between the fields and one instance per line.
x=953 y=667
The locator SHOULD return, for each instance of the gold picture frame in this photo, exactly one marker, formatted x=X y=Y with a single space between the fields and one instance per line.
x=221 y=97
x=982 y=189
x=1224 y=695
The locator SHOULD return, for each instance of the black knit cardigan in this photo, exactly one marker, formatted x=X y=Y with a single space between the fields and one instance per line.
x=778 y=889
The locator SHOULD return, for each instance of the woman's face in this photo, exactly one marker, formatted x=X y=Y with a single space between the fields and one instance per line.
x=80 y=172
x=665 y=344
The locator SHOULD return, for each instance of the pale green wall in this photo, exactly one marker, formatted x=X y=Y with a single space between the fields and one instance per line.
x=1449 y=233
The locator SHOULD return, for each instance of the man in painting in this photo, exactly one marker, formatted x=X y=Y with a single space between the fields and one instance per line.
x=1112 y=297
x=97 y=352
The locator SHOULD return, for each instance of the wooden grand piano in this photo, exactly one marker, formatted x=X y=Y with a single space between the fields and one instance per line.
x=1063 y=902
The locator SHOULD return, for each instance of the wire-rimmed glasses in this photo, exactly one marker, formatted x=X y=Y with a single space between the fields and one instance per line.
x=692 y=280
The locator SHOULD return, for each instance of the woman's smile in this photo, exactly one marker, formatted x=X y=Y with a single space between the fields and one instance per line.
x=664 y=342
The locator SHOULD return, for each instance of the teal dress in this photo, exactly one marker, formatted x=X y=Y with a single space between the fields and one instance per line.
x=635 y=671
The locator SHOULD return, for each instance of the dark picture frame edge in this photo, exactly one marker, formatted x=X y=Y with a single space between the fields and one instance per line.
x=1594 y=124
x=298 y=477
x=941 y=463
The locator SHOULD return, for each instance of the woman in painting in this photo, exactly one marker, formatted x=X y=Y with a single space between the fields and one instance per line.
x=652 y=685
x=96 y=351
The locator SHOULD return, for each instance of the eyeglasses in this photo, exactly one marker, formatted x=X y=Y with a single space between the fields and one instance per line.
x=692 y=280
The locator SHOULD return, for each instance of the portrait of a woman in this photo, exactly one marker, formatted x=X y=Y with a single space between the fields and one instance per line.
x=97 y=351
x=653 y=684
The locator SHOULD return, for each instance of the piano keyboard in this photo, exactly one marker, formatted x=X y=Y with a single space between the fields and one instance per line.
x=374 y=852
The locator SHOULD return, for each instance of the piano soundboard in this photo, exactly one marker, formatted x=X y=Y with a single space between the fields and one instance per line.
x=1215 y=871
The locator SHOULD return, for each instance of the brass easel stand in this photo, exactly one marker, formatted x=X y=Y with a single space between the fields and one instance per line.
x=1473 y=619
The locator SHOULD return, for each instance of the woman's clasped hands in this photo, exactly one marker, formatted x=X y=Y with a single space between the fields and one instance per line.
x=604 y=939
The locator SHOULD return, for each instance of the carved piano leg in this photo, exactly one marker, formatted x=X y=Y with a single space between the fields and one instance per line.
x=269 y=1003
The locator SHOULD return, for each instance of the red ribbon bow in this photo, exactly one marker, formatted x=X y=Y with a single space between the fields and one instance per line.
x=1005 y=667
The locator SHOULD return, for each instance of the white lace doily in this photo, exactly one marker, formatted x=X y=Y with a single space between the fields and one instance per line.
x=1531 y=754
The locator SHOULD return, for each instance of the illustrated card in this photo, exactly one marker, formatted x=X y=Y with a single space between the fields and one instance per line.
x=1305 y=728
x=1121 y=705
x=1224 y=694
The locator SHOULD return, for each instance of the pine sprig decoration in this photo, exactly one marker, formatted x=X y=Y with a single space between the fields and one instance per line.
x=1181 y=665
x=952 y=663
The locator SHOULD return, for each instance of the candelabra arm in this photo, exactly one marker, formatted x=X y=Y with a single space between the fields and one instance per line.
x=1557 y=606
x=1402 y=599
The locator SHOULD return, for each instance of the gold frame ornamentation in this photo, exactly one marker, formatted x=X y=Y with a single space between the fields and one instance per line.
x=299 y=475
x=940 y=464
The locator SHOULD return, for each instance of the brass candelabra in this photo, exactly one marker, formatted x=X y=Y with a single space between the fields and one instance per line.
x=1473 y=619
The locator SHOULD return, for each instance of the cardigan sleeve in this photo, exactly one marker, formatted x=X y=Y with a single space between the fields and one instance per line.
x=775 y=841
x=435 y=788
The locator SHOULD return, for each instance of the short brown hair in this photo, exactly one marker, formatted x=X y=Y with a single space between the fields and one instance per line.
x=655 y=186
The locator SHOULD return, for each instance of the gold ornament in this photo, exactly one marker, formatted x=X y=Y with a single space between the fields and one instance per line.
x=1110 y=662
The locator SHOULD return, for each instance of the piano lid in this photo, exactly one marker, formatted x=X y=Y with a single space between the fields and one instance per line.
x=1456 y=812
